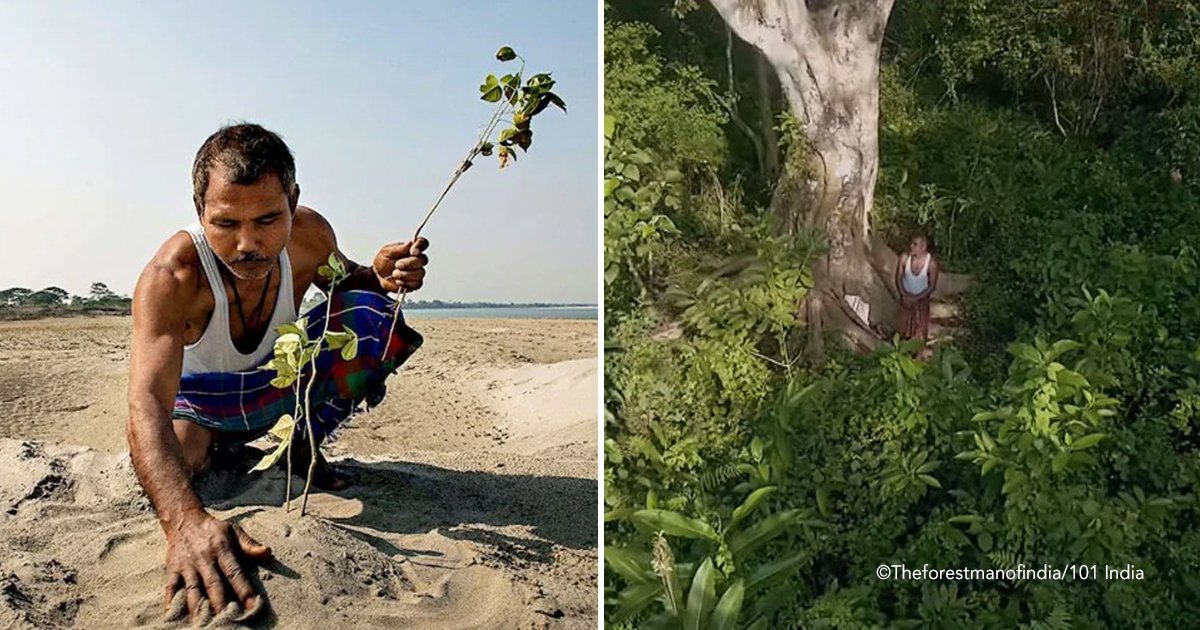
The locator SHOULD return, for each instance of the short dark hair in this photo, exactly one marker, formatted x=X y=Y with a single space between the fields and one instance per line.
x=249 y=152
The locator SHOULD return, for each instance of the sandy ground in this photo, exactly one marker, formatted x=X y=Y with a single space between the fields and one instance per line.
x=475 y=507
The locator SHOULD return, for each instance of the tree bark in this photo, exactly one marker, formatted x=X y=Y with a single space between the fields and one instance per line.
x=825 y=54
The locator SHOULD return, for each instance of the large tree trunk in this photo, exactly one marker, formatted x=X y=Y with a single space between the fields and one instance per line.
x=826 y=56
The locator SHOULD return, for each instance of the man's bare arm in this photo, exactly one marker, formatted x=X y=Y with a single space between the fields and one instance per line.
x=156 y=362
x=202 y=552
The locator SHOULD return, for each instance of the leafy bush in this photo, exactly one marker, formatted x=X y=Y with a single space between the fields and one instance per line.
x=1061 y=431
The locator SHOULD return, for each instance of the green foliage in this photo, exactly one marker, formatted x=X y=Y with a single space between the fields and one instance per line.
x=636 y=192
x=1062 y=430
x=22 y=303
x=665 y=108
x=294 y=352
x=516 y=101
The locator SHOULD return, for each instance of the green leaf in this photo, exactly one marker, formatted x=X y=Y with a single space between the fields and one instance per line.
x=610 y=185
x=1087 y=441
x=640 y=157
x=966 y=518
x=324 y=271
x=632 y=173
x=751 y=502
x=930 y=481
x=675 y=524
x=984 y=416
x=769 y=573
x=289 y=342
x=701 y=597
x=928 y=467
x=618 y=514
x=823 y=500
x=350 y=350
x=506 y=54
x=1072 y=378
x=284 y=428
x=556 y=101
x=727 y=611
x=523 y=139
x=298 y=327
x=489 y=83
x=1025 y=351
x=493 y=93
x=1062 y=347
x=762 y=532
x=631 y=565
x=985 y=541
x=283 y=381
x=335 y=340
x=634 y=599
x=610 y=126
x=270 y=459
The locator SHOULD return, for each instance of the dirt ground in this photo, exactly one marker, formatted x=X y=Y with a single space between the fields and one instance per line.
x=475 y=506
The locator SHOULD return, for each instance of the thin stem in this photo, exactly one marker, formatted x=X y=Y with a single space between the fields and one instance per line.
x=312 y=438
x=287 y=497
x=504 y=105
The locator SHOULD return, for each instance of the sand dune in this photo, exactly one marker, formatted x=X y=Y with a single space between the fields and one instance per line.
x=476 y=506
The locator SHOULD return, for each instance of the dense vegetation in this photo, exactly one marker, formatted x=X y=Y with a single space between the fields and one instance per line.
x=23 y=303
x=1051 y=150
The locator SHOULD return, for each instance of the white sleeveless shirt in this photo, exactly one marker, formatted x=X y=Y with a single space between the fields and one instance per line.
x=916 y=283
x=215 y=352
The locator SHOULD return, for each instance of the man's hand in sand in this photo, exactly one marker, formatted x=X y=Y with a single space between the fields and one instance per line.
x=401 y=266
x=204 y=556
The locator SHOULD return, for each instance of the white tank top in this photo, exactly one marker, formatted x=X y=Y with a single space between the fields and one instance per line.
x=215 y=352
x=915 y=284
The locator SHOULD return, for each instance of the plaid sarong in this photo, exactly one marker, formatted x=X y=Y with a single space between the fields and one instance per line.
x=246 y=404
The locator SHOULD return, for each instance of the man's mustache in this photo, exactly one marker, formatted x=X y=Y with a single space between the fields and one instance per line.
x=250 y=258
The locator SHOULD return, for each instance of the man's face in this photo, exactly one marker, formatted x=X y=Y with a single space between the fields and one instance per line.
x=918 y=246
x=247 y=226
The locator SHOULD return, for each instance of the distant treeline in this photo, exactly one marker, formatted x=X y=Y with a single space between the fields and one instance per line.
x=418 y=304
x=23 y=303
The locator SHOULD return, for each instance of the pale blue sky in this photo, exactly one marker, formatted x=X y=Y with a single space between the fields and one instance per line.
x=103 y=106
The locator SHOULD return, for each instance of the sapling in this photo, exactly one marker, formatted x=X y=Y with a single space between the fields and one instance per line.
x=293 y=351
x=516 y=104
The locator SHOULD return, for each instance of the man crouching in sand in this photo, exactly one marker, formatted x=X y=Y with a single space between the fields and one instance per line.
x=205 y=312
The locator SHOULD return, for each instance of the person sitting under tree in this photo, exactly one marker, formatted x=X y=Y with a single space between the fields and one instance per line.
x=916 y=279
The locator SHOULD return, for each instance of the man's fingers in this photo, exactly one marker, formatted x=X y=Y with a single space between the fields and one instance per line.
x=252 y=548
x=420 y=246
x=408 y=276
x=412 y=263
x=173 y=582
x=406 y=248
x=215 y=587
x=192 y=583
x=237 y=578
x=409 y=280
